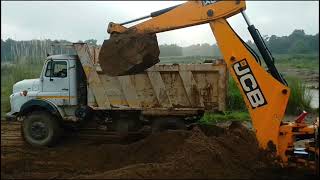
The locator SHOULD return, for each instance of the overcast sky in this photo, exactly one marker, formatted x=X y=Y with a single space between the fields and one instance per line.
x=83 y=20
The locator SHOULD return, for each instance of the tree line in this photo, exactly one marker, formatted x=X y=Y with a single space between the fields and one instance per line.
x=296 y=43
x=34 y=50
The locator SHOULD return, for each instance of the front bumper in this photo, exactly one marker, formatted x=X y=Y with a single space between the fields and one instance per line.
x=11 y=116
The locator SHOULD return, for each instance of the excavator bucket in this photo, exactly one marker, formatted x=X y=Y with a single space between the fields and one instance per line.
x=128 y=53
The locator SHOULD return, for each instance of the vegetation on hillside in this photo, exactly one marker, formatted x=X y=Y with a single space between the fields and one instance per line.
x=296 y=43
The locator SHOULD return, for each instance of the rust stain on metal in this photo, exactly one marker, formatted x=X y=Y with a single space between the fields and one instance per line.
x=166 y=86
x=195 y=95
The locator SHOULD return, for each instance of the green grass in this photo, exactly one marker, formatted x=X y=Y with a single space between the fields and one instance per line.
x=306 y=65
x=299 y=99
x=299 y=61
x=234 y=98
x=212 y=118
x=12 y=73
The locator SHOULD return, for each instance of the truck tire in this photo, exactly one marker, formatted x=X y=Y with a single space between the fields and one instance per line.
x=163 y=124
x=41 y=129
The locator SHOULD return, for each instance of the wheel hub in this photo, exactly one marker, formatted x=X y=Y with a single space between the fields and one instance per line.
x=39 y=130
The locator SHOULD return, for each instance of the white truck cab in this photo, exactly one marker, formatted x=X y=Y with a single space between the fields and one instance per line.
x=41 y=103
x=57 y=84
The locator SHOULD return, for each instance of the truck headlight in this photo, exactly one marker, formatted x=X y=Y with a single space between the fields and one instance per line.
x=24 y=93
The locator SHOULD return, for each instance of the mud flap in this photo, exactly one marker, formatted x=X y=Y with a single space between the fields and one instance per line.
x=128 y=53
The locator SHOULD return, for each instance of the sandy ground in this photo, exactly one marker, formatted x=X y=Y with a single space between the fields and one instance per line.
x=228 y=151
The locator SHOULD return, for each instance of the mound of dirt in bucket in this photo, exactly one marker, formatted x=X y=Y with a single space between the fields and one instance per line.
x=128 y=53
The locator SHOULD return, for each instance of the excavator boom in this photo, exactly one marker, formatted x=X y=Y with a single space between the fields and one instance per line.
x=265 y=92
x=134 y=49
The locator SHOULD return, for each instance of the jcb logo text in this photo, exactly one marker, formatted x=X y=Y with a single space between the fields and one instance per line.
x=208 y=2
x=249 y=84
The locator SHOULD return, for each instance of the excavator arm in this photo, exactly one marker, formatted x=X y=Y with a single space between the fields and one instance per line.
x=265 y=92
x=184 y=15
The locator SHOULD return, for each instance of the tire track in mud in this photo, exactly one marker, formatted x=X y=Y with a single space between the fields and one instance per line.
x=11 y=134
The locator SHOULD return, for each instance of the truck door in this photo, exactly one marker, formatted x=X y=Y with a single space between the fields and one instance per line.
x=55 y=85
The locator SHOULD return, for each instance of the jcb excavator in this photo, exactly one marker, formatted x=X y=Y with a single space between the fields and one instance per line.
x=265 y=91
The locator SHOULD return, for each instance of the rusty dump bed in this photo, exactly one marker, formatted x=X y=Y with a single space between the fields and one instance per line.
x=163 y=89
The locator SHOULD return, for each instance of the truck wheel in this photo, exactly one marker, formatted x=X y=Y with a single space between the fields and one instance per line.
x=160 y=125
x=41 y=129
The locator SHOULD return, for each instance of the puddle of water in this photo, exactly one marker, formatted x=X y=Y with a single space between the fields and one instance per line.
x=315 y=97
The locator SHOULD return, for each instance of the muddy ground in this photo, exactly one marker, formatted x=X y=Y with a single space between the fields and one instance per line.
x=204 y=152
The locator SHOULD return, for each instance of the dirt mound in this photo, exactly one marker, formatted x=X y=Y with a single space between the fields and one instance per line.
x=128 y=53
x=203 y=152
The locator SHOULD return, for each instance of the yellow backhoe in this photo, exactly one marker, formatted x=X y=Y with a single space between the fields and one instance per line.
x=265 y=91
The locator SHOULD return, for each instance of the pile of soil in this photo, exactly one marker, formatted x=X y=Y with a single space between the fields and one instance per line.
x=203 y=152
x=128 y=53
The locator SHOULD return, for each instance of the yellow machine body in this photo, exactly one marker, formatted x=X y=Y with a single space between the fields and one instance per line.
x=266 y=98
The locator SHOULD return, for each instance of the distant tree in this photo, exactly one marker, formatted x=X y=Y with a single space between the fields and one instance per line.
x=199 y=50
x=297 y=34
x=170 y=50
x=298 y=47
x=314 y=44
x=296 y=42
x=216 y=51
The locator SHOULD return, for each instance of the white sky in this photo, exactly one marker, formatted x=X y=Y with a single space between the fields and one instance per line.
x=82 y=20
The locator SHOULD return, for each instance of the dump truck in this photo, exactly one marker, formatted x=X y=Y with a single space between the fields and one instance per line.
x=132 y=50
x=72 y=90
